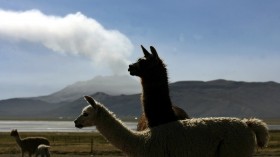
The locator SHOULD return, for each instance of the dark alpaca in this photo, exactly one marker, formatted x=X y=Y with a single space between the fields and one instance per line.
x=180 y=113
x=29 y=144
x=155 y=97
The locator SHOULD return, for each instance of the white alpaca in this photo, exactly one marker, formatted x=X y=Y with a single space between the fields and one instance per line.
x=43 y=151
x=203 y=137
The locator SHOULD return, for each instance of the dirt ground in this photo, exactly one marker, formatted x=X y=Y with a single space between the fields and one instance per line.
x=64 y=155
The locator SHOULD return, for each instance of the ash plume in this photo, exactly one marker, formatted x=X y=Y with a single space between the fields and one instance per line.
x=74 y=34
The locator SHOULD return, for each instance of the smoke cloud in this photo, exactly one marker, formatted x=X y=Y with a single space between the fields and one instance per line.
x=73 y=34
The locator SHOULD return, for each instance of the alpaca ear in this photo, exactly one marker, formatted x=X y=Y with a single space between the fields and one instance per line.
x=91 y=101
x=146 y=53
x=154 y=52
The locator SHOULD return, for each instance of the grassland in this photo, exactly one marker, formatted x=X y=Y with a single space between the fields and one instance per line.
x=64 y=144
x=93 y=144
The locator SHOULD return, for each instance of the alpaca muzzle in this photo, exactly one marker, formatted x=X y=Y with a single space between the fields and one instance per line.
x=77 y=125
x=133 y=70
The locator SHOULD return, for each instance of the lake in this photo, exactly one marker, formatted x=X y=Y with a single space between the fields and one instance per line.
x=48 y=126
x=61 y=126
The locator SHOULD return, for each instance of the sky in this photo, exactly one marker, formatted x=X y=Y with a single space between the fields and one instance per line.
x=47 y=45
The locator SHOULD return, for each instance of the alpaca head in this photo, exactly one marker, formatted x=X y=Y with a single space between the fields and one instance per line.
x=14 y=133
x=86 y=119
x=148 y=65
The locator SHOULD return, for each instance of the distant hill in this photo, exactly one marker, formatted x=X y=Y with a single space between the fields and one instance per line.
x=112 y=85
x=227 y=98
x=198 y=98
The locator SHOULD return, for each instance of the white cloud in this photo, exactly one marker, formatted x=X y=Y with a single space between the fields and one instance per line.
x=73 y=34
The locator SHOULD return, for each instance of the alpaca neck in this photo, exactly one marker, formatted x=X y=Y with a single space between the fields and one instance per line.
x=156 y=101
x=156 y=82
x=155 y=88
x=18 y=140
x=115 y=132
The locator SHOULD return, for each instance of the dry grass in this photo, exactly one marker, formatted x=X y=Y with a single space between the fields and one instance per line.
x=272 y=121
x=93 y=144
x=64 y=144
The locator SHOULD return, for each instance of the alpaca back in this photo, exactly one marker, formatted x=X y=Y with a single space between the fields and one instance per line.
x=205 y=137
x=30 y=144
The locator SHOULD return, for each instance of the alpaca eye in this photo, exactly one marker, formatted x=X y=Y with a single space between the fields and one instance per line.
x=142 y=62
x=85 y=114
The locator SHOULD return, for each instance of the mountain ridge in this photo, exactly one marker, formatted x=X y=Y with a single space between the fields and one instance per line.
x=197 y=98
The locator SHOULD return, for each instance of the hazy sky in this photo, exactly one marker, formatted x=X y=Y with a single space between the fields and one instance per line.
x=46 y=45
